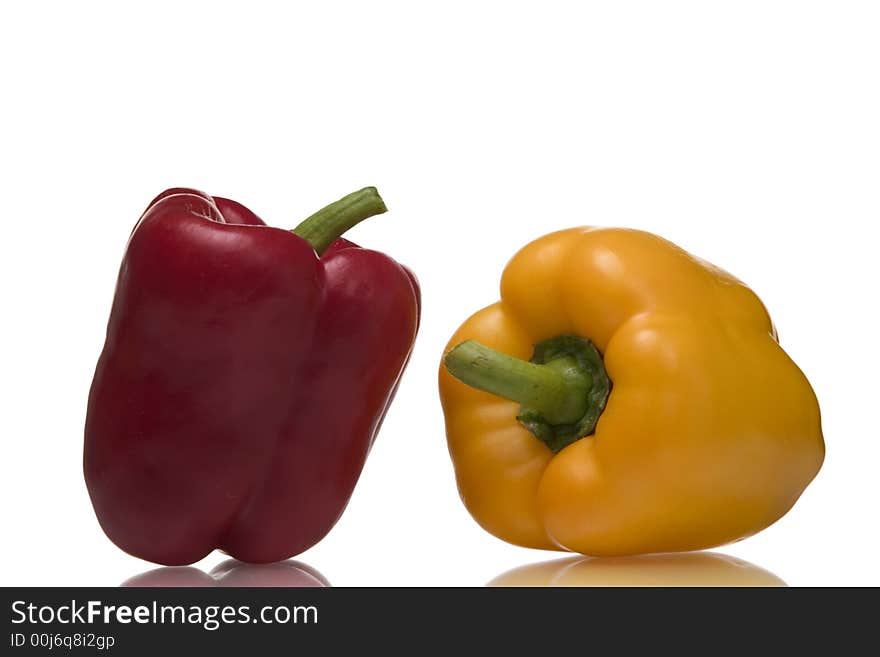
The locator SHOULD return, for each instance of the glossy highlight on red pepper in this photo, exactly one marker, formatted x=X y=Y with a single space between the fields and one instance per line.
x=245 y=374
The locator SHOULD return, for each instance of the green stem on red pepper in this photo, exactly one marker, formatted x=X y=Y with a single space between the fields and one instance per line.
x=561 y=391
x=328 y=224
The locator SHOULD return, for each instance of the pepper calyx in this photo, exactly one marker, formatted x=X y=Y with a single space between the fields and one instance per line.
x=588 y=359
x=562 y=389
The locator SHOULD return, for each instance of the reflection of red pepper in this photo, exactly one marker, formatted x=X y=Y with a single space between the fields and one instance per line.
x=232 y=573
x=243 y=378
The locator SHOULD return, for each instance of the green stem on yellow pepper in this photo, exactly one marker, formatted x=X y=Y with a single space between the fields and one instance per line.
x=561 y=391
x=557 y=390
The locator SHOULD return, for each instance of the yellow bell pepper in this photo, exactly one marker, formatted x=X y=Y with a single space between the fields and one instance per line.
x=625 y=397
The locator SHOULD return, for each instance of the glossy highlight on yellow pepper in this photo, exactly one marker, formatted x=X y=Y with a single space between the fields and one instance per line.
x=710 y=431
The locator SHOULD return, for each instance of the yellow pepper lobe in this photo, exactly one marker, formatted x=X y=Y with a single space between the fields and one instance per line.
x=709 y=434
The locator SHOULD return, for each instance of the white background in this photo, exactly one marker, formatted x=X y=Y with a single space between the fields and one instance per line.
x=747 y=132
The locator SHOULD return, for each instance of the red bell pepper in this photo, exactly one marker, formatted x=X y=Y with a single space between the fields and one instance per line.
x=244 y=376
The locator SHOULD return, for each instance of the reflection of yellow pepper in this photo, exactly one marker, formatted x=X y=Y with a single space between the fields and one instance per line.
x=689 y=569
x=709 y=434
